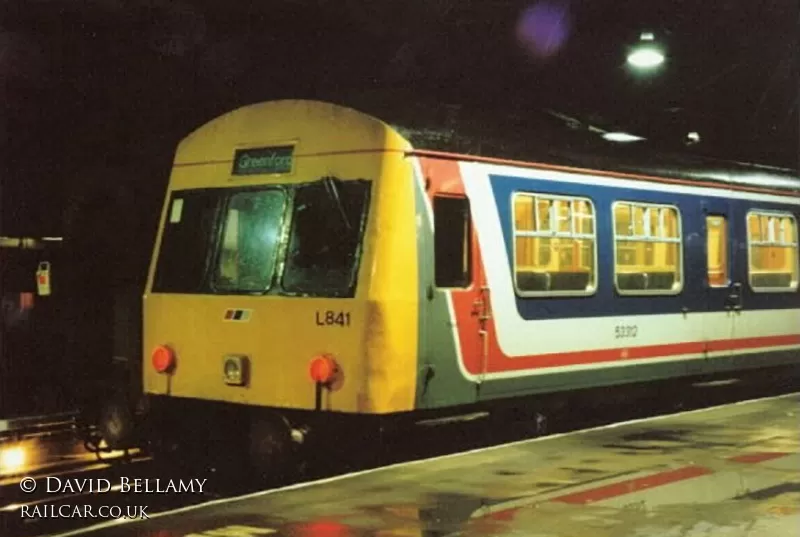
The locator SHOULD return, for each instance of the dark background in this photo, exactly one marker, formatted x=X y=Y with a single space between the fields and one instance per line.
x=97 y=93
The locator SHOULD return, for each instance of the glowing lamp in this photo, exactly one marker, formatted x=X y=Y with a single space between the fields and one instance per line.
x=163 y=359
x=622 y=137
x=646 y=58
x=647 y=54
x=12 y=460
x=322 y=369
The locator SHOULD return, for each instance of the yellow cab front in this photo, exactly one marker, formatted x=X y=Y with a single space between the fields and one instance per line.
x=269 y=275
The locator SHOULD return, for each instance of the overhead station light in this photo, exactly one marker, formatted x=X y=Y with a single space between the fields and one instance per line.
x=647 y=54
x=692 y=138
x=621 y=137
x=646 y=58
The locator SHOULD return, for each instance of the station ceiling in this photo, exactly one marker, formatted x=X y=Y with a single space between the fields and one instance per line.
x=115 y=84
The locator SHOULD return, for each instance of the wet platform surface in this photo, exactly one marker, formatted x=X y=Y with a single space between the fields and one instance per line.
x=728 y=471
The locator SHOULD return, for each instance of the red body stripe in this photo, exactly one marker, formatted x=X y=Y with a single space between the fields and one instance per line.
x=500 y=362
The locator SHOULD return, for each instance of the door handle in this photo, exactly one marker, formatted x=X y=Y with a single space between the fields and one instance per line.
x=734 y=299
x=477 y=307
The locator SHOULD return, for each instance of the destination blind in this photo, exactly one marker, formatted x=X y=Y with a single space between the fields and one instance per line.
x=263 y=160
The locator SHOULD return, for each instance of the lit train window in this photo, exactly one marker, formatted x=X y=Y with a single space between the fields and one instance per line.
x=772 y=251
x=555 y=246
x=648 y=252
x=717 y=250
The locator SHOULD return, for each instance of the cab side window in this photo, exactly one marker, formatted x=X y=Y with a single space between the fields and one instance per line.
x=452 y=232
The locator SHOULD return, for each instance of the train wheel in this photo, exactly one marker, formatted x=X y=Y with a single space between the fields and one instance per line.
x=116 y=424
x=272 y=448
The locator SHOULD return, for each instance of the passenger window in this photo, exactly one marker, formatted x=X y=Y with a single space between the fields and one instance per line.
x=452 y=233
x=647 y=241
x=717 y=250
x=772 y=251
x=554 y=245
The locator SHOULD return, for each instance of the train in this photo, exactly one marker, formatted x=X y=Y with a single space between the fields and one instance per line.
x=319 y=269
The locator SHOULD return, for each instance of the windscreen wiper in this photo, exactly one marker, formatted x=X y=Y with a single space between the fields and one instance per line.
x=333 y=192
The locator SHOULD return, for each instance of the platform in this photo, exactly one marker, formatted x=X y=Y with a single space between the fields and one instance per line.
x=727 y=471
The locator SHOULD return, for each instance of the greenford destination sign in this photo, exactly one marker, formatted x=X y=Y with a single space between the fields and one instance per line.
x=263 y=160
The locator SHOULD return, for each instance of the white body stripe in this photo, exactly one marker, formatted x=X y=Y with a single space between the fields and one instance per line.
x=470 y=171
x=519 y=337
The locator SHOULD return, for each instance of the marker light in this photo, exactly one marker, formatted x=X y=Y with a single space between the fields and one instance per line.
x=163 y=359
x=322 y=369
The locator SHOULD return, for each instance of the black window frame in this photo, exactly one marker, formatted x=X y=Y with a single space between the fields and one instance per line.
x=350 y=290
x=221 y=198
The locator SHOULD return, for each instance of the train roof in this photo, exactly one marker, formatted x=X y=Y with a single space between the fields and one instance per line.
x=542 y=136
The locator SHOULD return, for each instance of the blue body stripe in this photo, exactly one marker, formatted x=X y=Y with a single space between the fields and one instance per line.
x=695 y=296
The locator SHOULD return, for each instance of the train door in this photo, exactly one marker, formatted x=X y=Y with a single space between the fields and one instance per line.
x=459 y=273
x=723 y=288
x=457 y=305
